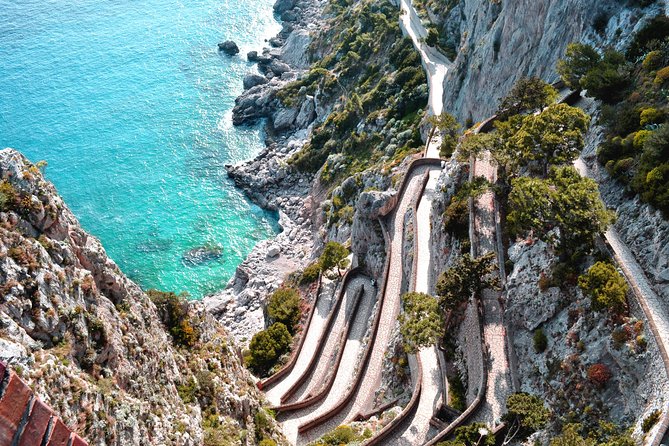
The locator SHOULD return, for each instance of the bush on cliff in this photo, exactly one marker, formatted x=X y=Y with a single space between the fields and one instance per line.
x=335 y=255
x=606 y=287
x=421 y=322
x=267 y=347
x=565 y=201
x=173 y=312
x=284 y=307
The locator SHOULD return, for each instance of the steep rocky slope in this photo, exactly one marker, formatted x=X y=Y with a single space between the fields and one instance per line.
x=498 y=42
x=93 y=345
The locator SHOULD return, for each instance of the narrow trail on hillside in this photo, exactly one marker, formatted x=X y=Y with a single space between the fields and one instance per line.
x=652 y=305
x=436 y=64
x=348 y=329
x=312 y=336
x=499 y=384
x=419 y=430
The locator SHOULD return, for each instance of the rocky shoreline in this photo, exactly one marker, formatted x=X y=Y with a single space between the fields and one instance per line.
x=267 y=179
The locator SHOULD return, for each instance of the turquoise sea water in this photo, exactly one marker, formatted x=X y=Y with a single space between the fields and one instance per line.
x=130 y=103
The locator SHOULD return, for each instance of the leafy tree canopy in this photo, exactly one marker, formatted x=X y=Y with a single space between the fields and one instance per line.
x=334 y=255
x=565 y=200
x=526 y=414
x=421 y=323
x=267 y=346
x=465 y=277
x=606 y=287
x=284 y=307
x=528 y=95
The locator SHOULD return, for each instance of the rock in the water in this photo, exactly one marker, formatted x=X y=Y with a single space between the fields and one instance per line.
x=275 y=42
x=228 y=47
x=273 y=251
x=282 y=6
x=252 y=56
x=251 y=80
x=201 y=254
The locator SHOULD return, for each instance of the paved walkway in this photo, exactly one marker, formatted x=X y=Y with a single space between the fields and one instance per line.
x=436 y=64
x=419 y=429
x=314 y=333
x=391 y=300
x=499 y=385
x=651 y=303
x=335 y=341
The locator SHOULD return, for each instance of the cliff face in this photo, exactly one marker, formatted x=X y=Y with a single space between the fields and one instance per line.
x=498 y=42
x=92 y=344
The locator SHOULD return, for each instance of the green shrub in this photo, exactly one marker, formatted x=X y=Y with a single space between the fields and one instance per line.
x=341 y=435
x=174 y=313
x=606 y=287
x=267 y=346
x=651 y=116
x=456 y=218
x=432 y=37
x=9 y=197
x=662 y=76
x=652 y=61
x=310 y=273
x=456 y=393
x=334 y=255
x=540 y=340
x=284 y=307
x=655 y=31
x=267 y=442
x=529 y=94
x=640 y=139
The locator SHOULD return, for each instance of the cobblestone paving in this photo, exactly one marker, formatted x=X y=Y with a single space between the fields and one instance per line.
x=499 y=385
x=315 y=330
x=324 y=369
x=417 y=431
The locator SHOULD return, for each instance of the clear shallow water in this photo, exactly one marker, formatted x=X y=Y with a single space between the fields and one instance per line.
x=130 y=103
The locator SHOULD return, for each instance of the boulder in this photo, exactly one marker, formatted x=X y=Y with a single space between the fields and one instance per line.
x=285 y=118
x=290 y=16
x=228 y=47
x=252 y=56
x=282 y=6
x=273 y=251
x=275 y=42
x=307 y=113
x=278 y=68
x=252 y=80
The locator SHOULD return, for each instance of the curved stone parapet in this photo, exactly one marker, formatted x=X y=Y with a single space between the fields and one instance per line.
x=267 y=383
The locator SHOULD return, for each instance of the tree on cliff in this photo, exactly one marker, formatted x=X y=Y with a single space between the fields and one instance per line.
x=528 y=95
x=465 y=277
x=605 y=77
x=525 y=415
x=267 y=346
x=449 y=128
x=554 y=136
x=421 y=322
x=565 y=201
x=334 y=255
x=284 y=307
x=578 y=60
